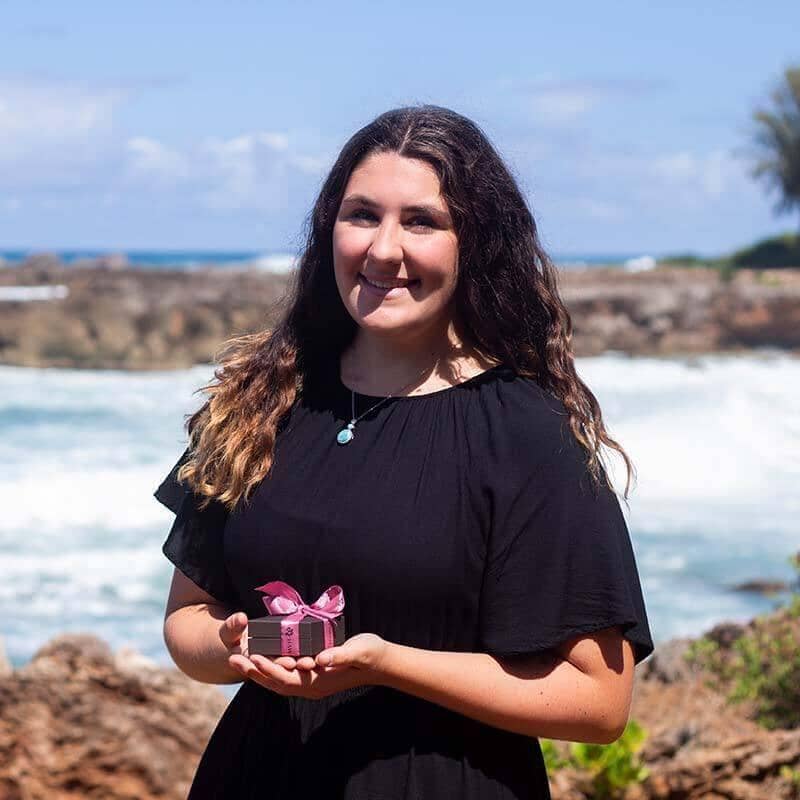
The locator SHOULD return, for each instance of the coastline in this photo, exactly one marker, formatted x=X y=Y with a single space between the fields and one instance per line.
x=119 y=724
x=102 y=316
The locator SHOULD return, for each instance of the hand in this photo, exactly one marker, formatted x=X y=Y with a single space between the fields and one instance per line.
x=233 y=633
x=357 y=662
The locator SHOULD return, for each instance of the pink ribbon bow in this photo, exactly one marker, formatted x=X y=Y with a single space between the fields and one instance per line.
x=280 y=598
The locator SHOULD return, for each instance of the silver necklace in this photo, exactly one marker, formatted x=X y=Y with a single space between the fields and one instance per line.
x=346 y=435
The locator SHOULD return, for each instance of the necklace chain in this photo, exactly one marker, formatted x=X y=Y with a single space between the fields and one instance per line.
x=346 y=434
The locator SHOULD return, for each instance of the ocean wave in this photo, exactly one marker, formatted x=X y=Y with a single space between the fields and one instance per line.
x=28 y=294
x=715 y=440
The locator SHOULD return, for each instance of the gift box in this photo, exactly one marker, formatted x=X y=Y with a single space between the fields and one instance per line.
x=293 y=627
x=305 y=638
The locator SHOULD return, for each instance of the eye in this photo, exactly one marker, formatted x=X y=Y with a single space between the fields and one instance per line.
x=421 y=222
x=361 y=213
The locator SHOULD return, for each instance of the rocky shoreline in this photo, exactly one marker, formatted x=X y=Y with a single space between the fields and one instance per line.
x=103 y=316
x=82 y=721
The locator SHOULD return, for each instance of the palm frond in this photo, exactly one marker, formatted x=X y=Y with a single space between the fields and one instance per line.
x=776 y=140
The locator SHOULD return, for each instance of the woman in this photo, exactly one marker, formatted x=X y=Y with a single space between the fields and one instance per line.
x=413 y=429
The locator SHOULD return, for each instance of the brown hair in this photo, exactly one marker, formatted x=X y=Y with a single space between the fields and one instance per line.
x=506 y=297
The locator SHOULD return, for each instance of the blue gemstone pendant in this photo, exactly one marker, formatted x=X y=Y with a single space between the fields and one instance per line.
x=345 y=435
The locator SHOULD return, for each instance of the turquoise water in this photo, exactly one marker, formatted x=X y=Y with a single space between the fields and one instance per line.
x=716 y=443
x=162 y=259
x=187 y=259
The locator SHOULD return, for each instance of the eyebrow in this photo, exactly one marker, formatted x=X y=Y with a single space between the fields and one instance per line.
x=417 y=209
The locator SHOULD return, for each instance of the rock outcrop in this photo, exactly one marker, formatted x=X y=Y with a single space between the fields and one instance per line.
x=672 y=310
x=131 y=318
x=80 y=721
x=698 y=745
x=109 y=316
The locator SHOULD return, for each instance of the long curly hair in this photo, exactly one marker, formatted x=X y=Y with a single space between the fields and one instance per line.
x=506 y=296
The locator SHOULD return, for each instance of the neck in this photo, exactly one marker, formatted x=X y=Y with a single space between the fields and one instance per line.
x=384 y=363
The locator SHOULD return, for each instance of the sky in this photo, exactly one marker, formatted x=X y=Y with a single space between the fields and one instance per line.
x=211 y=125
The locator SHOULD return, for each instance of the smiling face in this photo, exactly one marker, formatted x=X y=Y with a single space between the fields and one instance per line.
x=395 y=251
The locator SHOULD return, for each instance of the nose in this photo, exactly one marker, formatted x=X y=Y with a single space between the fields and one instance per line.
x=386 y=246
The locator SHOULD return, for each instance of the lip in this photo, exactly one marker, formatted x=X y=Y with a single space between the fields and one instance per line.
x=396 y=291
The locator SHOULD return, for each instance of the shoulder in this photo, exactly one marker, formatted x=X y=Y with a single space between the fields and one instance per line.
x=525 y=422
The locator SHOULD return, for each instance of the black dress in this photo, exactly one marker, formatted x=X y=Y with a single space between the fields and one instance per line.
x=461 y=520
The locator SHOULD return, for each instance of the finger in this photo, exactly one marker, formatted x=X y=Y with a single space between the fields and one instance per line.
x=333 y=656
x=275 y=671
x=231 y=629
x=240 y=663
x=306 y=663
x=250 y=672
x=287 y=662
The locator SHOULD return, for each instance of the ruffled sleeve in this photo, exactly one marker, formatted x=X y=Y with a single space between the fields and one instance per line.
x=195 y=543
x=559 y=556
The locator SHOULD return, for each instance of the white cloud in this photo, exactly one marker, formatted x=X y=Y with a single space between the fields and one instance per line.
x=253 y=170
x=692 y=177
x=675 y=167
x=58 y=140
x=277 y=141
x=710 y=174
x=312 y=165
x=560 y=105
x=56 y=135
x=599 y=209
x=40 y=117
x=558 y=102
x=247 y=145
x=152 y=159
x=247 y=171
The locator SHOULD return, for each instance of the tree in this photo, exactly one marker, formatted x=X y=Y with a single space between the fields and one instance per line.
x=777 y=140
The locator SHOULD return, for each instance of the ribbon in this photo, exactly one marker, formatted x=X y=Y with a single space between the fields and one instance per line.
x=280 y=598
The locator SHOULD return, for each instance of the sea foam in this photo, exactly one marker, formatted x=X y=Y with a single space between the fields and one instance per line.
x=715 y=441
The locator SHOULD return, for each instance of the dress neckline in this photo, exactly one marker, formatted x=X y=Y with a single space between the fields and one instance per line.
x=471 y=381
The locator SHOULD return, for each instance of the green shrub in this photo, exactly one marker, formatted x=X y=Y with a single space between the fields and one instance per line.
x=774 y=253
x=766 y=667
x=552 y=758
x=684 y=260
x=778 y=251
x=612 y=767
x=726 y=270
x=791 y=775
x=762 y=666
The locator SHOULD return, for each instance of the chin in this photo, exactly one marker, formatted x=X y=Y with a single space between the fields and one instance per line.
x=386 y=327
x=390 y=317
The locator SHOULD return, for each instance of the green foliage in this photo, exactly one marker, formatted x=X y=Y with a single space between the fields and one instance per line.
x=776 y=252
x=612 y=767
x=767 y=670
x=726 y=271
x=707 y=654
x=791 y=775
x=552 y=758
x=684 y=260
x=762 y=666
x=776 y=138
x=768 y=279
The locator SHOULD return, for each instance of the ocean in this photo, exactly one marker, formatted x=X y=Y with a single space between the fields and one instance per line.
x=269 y=261
x=715 y=439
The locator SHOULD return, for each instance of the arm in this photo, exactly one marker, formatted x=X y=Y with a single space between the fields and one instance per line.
x=195 y=632
x=580 y=694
